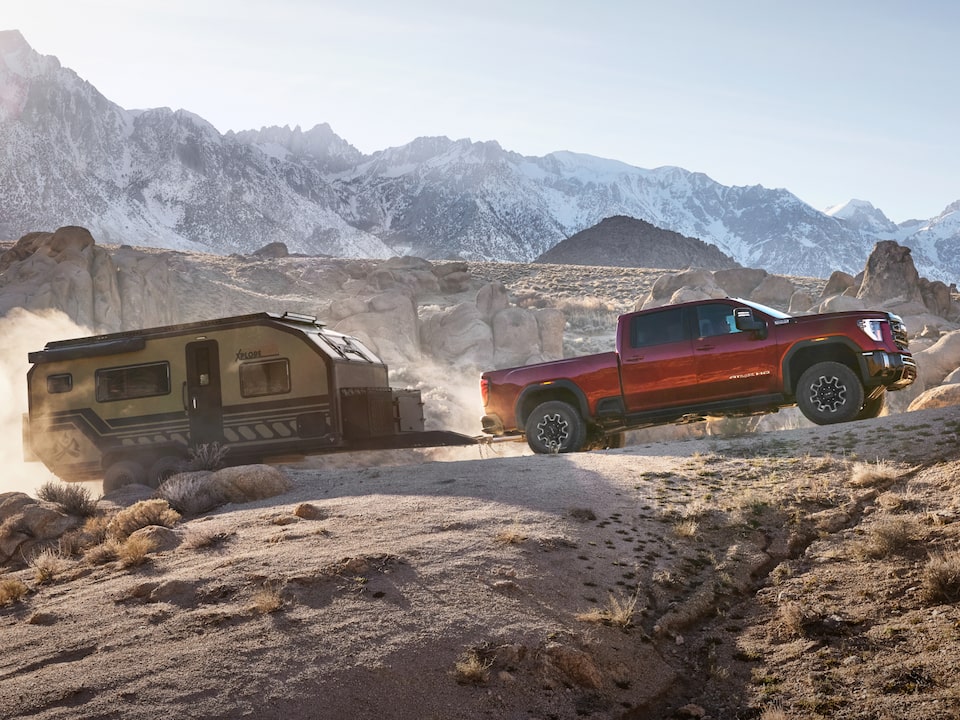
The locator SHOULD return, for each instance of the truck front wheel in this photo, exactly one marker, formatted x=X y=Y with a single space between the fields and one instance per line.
x=554 y=427
x=829 y=392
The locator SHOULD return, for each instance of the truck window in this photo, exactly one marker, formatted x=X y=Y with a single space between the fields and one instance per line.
x=59 y=383
x=657 y=328
x=716 y=320
x=270 y=377
x=134 y=381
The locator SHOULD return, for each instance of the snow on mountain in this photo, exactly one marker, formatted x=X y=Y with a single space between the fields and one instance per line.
x=170 y=179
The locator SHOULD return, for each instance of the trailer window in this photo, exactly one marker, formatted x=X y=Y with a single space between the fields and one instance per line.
x=271 y=377
x=59 y=383
x=135 y=381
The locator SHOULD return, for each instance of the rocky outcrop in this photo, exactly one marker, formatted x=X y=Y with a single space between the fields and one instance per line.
x=942 y=396
x=890 y=276
x=27 y=525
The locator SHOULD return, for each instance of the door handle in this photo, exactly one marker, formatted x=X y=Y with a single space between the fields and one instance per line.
x=702 y=348
x=635 y=358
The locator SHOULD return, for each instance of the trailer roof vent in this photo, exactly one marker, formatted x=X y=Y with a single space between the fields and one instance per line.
x=298 y=317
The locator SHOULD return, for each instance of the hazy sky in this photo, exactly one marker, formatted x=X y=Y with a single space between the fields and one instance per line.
x=831 y=100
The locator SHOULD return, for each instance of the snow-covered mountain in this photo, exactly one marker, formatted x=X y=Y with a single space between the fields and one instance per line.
x=163 y=178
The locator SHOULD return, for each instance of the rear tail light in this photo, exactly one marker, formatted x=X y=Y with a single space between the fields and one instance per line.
x=484 y=390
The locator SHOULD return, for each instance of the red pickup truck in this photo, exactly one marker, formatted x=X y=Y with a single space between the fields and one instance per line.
x=681 y=363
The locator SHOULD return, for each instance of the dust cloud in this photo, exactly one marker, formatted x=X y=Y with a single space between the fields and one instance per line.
x=23 y=331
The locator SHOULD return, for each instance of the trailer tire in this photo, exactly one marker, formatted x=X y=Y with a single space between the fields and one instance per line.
x=555 y=426
x=163 y=468
x=123 y=472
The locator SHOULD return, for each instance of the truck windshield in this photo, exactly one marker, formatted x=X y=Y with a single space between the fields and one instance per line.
x=764 y=309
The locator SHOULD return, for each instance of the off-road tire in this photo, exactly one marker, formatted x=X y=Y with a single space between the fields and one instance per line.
x=555 y=426
x=830 y=392
x=123 y=472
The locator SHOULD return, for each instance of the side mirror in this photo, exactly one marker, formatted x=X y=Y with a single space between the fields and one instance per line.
x=748 y=323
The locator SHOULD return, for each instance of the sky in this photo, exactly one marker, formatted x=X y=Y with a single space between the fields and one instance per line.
x=832 y=100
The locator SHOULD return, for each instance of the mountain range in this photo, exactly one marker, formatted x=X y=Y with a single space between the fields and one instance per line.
x=164 y=178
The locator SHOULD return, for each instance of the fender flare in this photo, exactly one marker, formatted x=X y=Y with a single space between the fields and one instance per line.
x=825 y=344
x=546 y=387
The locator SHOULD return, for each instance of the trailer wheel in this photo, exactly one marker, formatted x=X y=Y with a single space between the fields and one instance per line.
x=163 y=468
x=123 y=472
x=555 y=427
x=829 y=392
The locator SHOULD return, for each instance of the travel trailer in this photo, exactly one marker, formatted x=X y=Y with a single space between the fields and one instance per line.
x=129 y=407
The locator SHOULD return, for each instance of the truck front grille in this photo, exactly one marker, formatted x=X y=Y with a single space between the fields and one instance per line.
x=899 y=333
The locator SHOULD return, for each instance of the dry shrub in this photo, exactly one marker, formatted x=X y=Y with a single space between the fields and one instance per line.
x=871 y=474
x=888 y=535
x=11 y=591
x=513 y=535
x=71 y=499
x=141 y=515
x=201 y=539
x=794 y=620
x=192 y=493
x=133 y=551
x=687 y=528
x=207 y=456
x=47 y=565
x=471 y=669
x=101 y=554
x=267 y=599
x=582 y=514
x=96 y=527
x=618 y=611
x=941 y=578
x=247 y=483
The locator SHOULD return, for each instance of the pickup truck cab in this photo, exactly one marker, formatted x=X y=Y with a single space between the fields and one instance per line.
x=686 y=362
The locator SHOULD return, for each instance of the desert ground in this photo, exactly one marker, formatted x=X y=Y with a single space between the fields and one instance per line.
x=799 y=573
x=787 y=574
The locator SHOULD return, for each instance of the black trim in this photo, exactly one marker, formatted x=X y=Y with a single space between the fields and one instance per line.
x=743 y=406
x=546 y=387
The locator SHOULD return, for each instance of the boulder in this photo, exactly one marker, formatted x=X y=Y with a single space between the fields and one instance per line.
x=516 y=337
x=389 y=327
x=739 y=282
x=27 y=524
x=938 y=397
x=491 y=299
x=272 y=251
x=775 y=291
x=457 y=335
x=837 y=284
x=939 y=360
x=840 y=303
x=672 y=288
x=890 y=273
x=937 y=298
x=953 y=377
x=551 y=323
x=800 y=302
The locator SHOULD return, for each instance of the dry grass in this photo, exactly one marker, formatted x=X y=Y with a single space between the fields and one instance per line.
x=471 y=669
x=888 y=535
x=47 y=565
x=267 y=599
x=864 y=474
x=941 y=578
x=618 y=611
x=102 y=553
x=140 y=515
x=133 y=551
x=71 y=499
x=513 y=535
x=208 y=456
x=794 y=619
x=687 y=529
x=12 y=591
x=192 y=493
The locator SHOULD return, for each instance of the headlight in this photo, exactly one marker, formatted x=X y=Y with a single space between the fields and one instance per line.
x=872 y=328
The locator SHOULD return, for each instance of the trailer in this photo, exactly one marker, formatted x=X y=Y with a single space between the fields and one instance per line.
x=130 y=407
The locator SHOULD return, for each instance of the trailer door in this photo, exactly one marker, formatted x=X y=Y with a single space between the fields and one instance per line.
x=203 y=398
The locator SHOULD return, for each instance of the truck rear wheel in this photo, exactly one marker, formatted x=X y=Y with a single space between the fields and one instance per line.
x=123 y=472
x=555 y=426
x=829 y=392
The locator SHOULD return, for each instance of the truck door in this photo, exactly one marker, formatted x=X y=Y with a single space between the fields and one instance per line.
x=731 y=363
x=202 y=392
x=656 y=361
